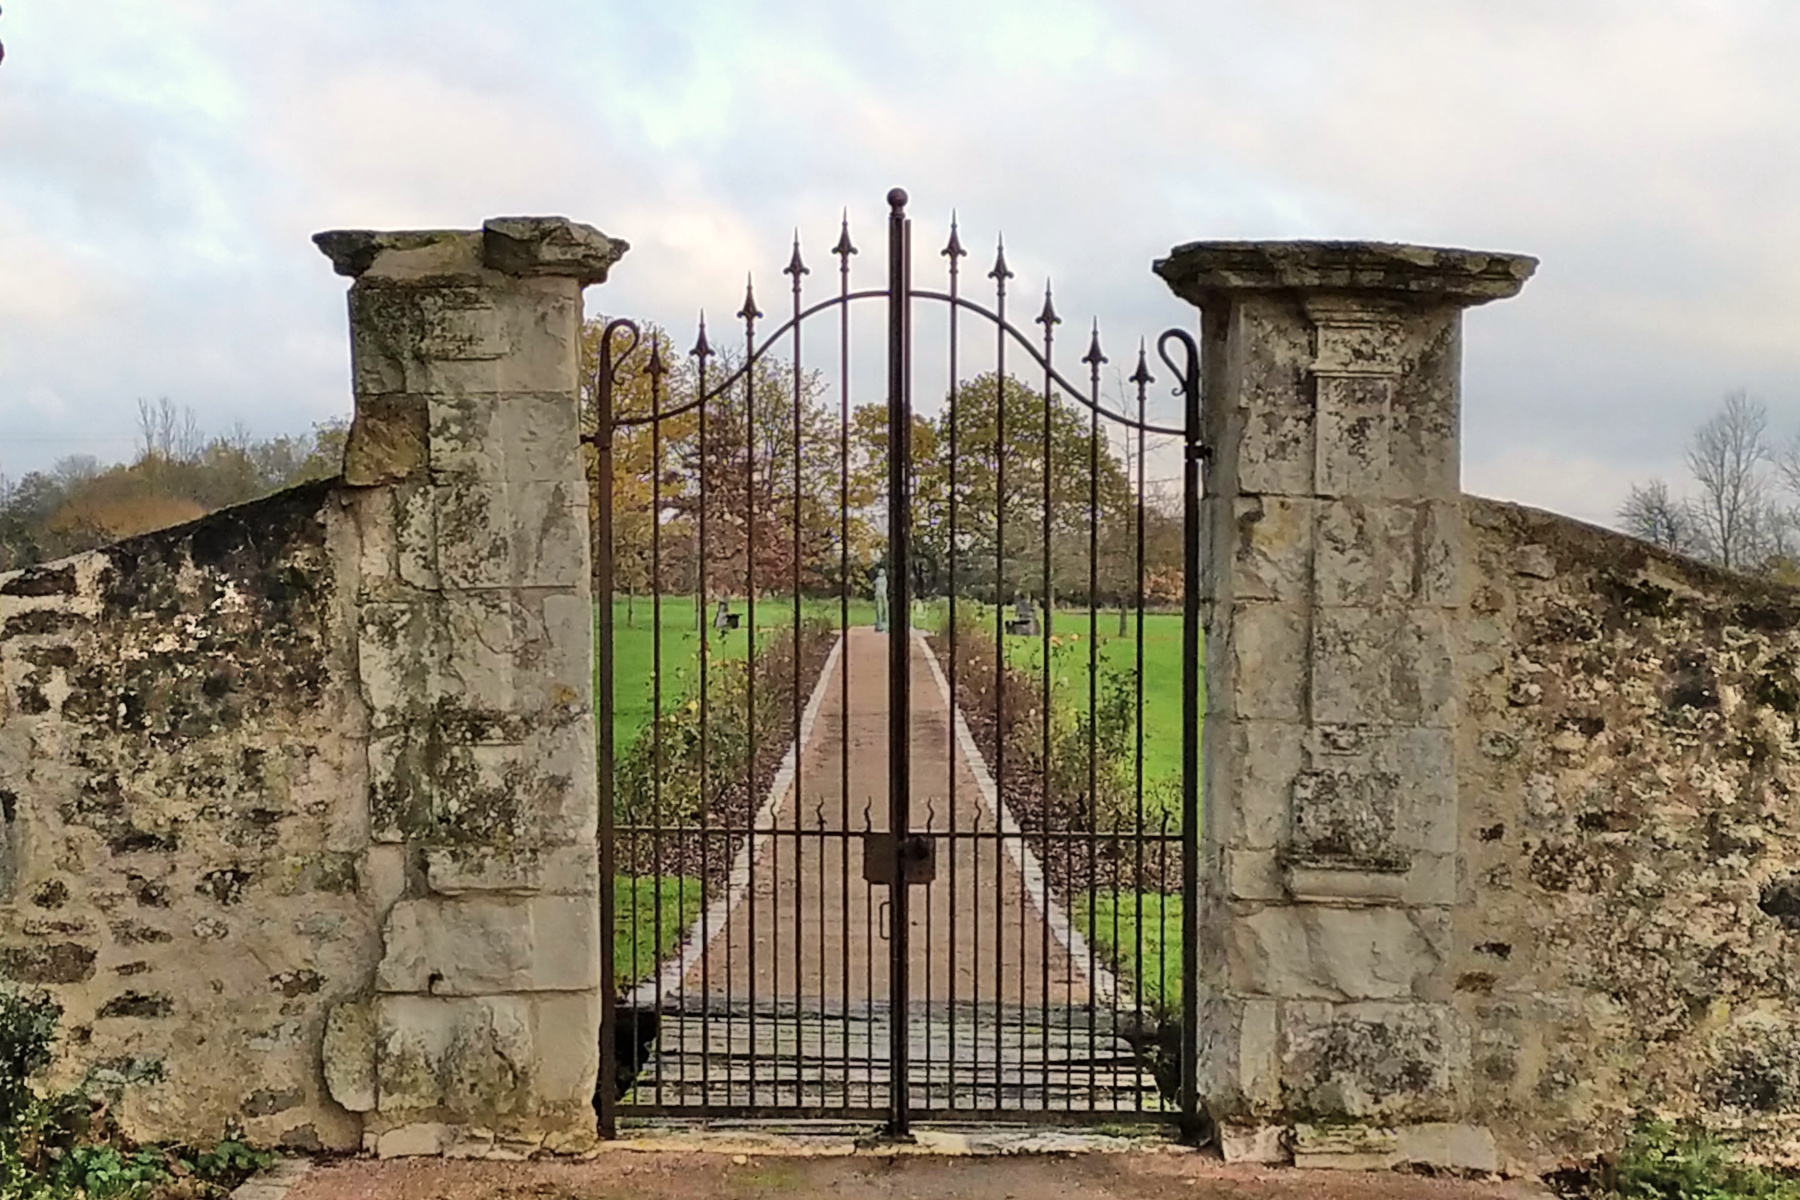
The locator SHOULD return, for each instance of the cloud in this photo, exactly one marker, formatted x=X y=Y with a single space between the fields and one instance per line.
x=165 y=167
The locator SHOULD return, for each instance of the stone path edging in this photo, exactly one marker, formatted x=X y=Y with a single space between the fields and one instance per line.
x=717 y=915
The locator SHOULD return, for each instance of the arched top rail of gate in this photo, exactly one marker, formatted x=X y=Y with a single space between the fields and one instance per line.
x=1186 y=370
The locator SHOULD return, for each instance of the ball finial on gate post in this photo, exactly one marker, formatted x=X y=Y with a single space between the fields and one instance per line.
x=897 y=199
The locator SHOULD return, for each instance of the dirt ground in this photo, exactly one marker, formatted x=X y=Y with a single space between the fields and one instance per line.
x=704 y=1176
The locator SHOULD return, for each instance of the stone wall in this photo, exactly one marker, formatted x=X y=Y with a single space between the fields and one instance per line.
x=1629 y=773
x=182 y=773
x=299 y=799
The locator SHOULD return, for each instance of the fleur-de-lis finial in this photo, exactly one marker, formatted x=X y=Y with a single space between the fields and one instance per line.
x=1142 y=376
x=656 y=367
x=749 y=312
x=1048 y=317
x=845 y=247
x=1094 y=357
x=1001 y=273
x=795 y=267
x=953 y=250
x=702 y=348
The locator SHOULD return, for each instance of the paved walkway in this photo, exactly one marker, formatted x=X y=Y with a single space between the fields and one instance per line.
x=788 y=1005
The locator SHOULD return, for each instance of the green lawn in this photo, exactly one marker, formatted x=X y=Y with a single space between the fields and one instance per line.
x=635 y=923
x=634 y=649
x=1118 y=652
x=1112 y=924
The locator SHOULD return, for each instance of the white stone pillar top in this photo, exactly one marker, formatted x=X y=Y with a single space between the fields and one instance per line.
x=1199 y=271
x=520 y=246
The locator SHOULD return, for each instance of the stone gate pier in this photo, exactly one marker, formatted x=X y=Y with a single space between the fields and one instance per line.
x=299 y=798
x=1335 y=566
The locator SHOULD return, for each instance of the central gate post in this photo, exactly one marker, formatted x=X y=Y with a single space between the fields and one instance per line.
x=1329 y=867
x=899 y=643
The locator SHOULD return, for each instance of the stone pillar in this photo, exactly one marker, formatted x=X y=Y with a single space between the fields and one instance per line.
x=475 y=652
x=1333 y=528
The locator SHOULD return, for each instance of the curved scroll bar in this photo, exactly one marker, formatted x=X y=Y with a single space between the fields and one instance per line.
x=770 y=341
x=606 y=377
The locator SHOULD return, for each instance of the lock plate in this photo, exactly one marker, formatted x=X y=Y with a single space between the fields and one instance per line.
x=918 y=858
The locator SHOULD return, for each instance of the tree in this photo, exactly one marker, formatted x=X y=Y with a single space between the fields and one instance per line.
x=1650 y=512
x=998 y=477
x=1728 y=456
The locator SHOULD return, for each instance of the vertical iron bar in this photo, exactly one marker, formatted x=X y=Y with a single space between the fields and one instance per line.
x=953 y=251
x=702 y=352
x=844 y=249
x=603 y=687
x=1190 y=725
x=1049 y=320
x=1142 y=378
x=655 y=369
x=899 y=644
x=1000 y=274
x=749 y=313
x=796 y=268
x=1093 y=358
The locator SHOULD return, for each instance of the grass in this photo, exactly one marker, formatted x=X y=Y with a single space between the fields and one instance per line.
x=1112 y=923
x=636 y=928
x=1661 y=1161
x=634 y=649
x=1118 y=654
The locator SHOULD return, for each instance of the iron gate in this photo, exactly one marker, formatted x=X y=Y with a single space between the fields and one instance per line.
x=890 y=829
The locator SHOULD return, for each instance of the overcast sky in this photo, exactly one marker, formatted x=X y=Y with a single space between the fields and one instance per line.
x=163 y=164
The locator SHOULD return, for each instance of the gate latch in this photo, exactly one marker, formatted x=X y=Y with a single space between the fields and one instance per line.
x=917 y=853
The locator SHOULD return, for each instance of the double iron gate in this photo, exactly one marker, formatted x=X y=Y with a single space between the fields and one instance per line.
x=892 y=823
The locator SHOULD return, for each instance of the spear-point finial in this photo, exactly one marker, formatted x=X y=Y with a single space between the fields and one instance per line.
x=656 y=367
x=1094 y=357
x=953 y=250
x=1048 y=317
x=795 y=267
x=702 y=349
x=749 y=312
x=1142 y=376
x=1001 y=271
x=845 y=247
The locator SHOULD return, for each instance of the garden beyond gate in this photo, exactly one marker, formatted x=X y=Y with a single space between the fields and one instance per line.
x=898 y=716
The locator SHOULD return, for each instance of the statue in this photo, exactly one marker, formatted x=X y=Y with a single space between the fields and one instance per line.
x=881 y=600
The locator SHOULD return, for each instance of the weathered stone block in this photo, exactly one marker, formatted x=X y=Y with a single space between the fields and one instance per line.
x=1266 y=645
x=1269 y=551
x=1345 y=816
x=473 y=535
x=566 y=1036
x=426 y=1139
x=1345 y=1147
x=415 y=534
x=1381 y=666
x=1387 y=553
x=388 y=439
x=467 y=439
x=1351 y=431
x=394 y=662
x=561 y=870
x=1382 y=1060
x=1320 y=952
x=1265 y=1145
x=549 y=530
x=540 y=434
x=1239 y=1064
x=480 y=945
x=349 y=1054
x=1250 y=768
x=475 y=667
